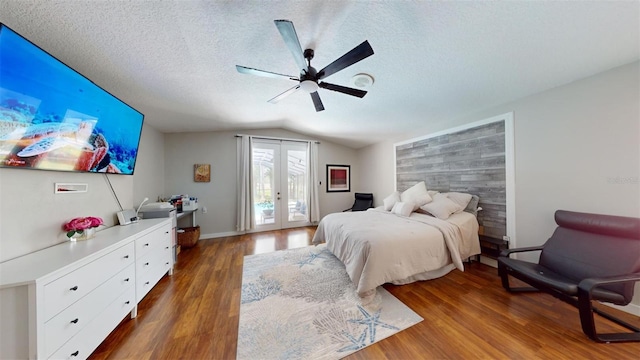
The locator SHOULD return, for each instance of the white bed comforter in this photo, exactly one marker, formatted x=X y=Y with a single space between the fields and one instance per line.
x=378 y=247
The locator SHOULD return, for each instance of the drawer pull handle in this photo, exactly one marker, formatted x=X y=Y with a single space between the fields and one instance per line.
x=166 y=232
x=127 y=279
x=147 y=283
x=126 y=256
x=146 y=264
x=147 y=244
x=75 y=353
x=167 y=263
x=127 y=302
x=166 y=247
x=74 y=321
x=74 y=288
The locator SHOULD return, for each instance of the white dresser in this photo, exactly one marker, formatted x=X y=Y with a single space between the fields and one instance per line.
x=62 y=302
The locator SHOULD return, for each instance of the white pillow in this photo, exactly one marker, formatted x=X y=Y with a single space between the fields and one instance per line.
x=432 y=193
x=441 y=207
x=459 y=198
x=402 y=208
x=391 y=200
x=417 y=194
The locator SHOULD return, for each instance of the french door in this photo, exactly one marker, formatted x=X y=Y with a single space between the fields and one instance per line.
x=280 y=178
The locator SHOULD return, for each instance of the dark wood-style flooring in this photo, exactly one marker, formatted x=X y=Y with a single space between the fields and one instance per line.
x=467 y=315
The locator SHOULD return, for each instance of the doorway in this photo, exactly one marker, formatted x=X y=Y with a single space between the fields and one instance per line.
x=280 y=184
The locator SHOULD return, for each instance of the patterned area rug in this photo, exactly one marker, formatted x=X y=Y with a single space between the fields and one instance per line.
x=301 y=304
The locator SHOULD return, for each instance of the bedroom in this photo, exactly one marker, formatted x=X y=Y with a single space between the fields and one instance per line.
x=574 y=137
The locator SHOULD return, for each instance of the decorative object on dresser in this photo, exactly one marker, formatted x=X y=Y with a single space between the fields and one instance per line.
x=301 y=304
x=62 y=301
x=82 y=228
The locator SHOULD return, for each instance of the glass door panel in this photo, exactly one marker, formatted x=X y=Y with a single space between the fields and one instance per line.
x=266 y=168
x=296 y=184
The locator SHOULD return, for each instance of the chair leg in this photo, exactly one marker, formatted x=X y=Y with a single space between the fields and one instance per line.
x=586 y=310
x=504 y=277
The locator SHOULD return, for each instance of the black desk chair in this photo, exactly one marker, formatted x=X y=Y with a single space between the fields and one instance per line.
x=363 y=202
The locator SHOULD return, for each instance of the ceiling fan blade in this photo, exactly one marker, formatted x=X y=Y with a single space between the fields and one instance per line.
x=343 y=89
x=284 y=94
x=356 y=54
x=252 y=71
x=316 y=101
x=290 y=38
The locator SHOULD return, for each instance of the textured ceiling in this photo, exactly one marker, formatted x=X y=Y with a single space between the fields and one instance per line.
x=175 y=60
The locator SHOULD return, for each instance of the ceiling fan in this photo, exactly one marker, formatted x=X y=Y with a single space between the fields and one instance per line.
x=309 y=78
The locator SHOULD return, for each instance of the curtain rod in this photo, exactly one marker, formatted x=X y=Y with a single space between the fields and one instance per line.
x=276 y=138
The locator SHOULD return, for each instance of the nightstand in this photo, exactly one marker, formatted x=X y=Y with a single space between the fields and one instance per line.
x=491 y=247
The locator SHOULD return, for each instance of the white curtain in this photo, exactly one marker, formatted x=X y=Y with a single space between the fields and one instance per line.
x=245 y=214
x=314 y=182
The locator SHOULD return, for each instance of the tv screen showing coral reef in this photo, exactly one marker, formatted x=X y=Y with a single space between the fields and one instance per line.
x=53 y=118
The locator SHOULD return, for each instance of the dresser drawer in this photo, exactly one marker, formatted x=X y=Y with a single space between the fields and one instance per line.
x=74 y=318
x=147 y=280
x=151 y=260
x=83 y=343
x=153 y=241
x=61 y=293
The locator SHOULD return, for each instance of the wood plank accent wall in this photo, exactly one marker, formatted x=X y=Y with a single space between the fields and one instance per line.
x=470 y=161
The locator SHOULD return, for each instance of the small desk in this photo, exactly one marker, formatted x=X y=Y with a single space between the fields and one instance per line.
x=187 y=212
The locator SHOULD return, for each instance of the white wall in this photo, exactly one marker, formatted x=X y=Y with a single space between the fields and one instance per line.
x=33 y=216
x=577 y=147
x=183 y=150
x=148 y=178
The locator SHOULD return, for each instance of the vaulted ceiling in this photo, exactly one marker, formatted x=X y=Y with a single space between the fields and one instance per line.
x=434 y=61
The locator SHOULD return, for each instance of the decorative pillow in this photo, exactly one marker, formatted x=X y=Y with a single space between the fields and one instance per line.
x=432 y=193
x=402 y=208
x=391 y=200
x=441 y=207
x=459 y=198
x=472 y=207
x=417 y=194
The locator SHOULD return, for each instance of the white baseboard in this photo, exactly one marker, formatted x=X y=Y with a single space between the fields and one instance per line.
x=489 y=261
x=632 y=309
x=219 y=235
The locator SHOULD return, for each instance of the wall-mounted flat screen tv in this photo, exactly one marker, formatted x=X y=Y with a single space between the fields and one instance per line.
x=53 y=118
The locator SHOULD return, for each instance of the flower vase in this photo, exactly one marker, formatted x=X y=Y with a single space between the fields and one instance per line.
x=84 y=235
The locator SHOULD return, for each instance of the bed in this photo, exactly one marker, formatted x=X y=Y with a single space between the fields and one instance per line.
x=379 y=246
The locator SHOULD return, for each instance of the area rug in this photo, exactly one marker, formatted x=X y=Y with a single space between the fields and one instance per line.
x=301 y=304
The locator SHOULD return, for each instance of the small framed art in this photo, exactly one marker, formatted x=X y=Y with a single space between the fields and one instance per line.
x=338 y=178
x=202 y=172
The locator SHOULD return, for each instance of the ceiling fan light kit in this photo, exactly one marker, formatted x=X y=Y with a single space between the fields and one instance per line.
x=309 y=78
x=309 y=86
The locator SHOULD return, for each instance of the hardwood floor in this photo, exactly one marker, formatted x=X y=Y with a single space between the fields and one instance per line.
x=467 y=315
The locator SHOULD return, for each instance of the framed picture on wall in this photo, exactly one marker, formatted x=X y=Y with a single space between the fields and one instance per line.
x=202 y=172
x=338 y=178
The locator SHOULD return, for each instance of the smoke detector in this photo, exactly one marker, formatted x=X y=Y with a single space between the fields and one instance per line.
x=362 y=81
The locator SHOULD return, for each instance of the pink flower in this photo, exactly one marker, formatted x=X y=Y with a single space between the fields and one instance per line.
x=95 y=221
x=80 y=224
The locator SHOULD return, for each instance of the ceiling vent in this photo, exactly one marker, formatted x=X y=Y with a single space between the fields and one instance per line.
x=362 y=80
